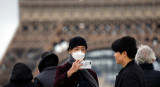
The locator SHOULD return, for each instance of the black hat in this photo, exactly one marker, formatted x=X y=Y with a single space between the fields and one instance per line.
x=77 y=41
x=21 y=73
x=48 y=59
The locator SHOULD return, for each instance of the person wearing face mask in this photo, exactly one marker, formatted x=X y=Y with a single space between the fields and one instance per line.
x=70 y=74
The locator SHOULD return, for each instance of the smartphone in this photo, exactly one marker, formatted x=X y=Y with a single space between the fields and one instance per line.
x=86 y=65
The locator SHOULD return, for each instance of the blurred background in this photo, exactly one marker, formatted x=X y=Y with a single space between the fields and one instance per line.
x=29 y=27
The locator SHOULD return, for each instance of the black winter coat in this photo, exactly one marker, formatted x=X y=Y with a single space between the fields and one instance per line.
x=46 y=77
x=152 y=76
x=21 y=76
x=131 y=76
x=61 y=79
x=47 y=68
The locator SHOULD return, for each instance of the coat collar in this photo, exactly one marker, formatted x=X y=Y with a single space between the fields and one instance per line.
x=49 y=68
x=146 y=66
x=130 y=63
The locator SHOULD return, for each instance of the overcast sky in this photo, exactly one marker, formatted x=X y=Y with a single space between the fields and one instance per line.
x=9 y=20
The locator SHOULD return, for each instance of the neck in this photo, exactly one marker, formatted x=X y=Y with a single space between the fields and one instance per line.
x=71 y=59
x=126 y=61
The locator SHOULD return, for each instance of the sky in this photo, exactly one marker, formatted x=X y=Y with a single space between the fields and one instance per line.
x=9 y=20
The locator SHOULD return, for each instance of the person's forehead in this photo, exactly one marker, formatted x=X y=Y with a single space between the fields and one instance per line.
x=117 y=52
x=80 y=47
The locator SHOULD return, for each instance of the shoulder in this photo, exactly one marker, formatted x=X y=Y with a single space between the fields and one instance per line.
x=37 y=83
x=152 y=72
x=133 y=69
x=63 y=67
x=91 y=71
x=6 y=85
x=156 y=71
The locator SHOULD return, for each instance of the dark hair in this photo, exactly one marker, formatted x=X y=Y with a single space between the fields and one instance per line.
x=127 y=44
x=48 y=59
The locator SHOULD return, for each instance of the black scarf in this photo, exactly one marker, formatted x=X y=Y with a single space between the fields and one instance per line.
x=89 y=78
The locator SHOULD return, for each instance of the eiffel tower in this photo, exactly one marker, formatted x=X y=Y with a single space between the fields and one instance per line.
x=47 y=24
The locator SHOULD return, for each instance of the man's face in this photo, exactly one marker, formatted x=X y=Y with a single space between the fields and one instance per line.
x=119 y=57
x=78 y=48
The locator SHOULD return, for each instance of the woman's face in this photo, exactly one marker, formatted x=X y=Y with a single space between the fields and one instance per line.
x=78 y=48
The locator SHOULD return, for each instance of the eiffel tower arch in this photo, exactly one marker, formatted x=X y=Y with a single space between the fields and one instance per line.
x=46 y=25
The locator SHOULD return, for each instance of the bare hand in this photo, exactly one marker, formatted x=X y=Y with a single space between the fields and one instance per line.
x=75 y=67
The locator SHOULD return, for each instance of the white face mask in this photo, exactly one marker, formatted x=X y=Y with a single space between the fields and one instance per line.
x=78 y=55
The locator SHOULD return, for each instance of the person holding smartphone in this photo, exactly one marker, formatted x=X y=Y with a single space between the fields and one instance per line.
x=71 y=74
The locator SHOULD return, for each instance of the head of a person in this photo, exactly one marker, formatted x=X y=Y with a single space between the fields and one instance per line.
x=145 y=55
x=77 y=44
x=48 y=59
x=21 y=73
x=124 y=48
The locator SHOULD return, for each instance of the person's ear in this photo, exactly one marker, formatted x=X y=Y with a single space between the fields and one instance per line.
x=70 y=51
x=124 y=53
x=153 y=60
